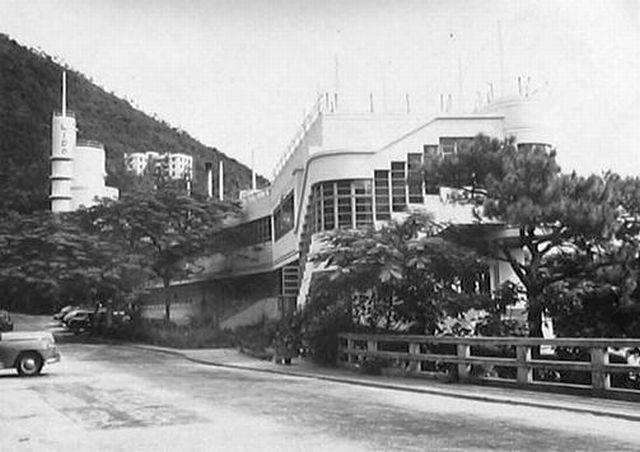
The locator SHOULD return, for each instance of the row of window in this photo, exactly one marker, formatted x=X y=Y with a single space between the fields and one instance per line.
x=353 y=203
x=254 y=232
x=350 y=203
x=341 y=204
x=283 y=216
x=260 y=230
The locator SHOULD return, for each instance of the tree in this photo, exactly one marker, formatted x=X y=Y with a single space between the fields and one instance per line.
x=603 y=302
x=166 y=226
x=47 y=260
x=554 y=213
x=404 y=274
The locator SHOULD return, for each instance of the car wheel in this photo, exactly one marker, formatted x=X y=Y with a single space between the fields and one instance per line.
x=29 y=364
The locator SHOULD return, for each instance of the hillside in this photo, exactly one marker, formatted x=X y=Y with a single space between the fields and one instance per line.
x=30 y=92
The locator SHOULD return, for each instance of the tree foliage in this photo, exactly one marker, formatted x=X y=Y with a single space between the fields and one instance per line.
x=47 y=260
x=569 y=226
x=166 y=226
x=403 y=274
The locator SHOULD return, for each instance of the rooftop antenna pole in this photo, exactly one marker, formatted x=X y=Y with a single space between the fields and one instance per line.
x=336 y=81
x=64 y=94
x=253 y=169
x=501 y=57
x=459 y=82
x=384 y=90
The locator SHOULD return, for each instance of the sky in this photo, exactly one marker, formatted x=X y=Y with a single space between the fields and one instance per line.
x=239 y=75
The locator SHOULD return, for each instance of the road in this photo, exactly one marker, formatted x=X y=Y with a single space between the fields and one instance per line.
x=105 y=397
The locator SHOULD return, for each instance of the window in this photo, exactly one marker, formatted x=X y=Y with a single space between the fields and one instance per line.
x=342 y=204
x=362 y=191
x=252 y=233
x=430 y=151
x=328 y=207
x=283 y=216
x=450 y=146
x=316 y=208
x=414 y=178
x=398 y=187
x=534 y=147
x=381 y=183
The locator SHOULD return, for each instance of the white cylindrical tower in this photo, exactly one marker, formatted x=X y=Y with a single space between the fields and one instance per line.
x=88 y=173
x=525 y=118
x=63 y=145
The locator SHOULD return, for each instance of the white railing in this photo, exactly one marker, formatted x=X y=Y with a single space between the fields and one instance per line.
x=318 y=108
x=504 y=360
x=254 y=195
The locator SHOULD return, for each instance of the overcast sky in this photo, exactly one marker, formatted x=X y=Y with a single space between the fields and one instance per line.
x=239 y=74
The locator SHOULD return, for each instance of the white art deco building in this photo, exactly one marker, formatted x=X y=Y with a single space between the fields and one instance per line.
x=342 y=170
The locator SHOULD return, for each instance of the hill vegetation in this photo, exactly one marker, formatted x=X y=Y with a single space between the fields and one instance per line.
x=30 y=92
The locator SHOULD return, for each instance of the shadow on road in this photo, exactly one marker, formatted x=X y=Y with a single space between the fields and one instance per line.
x=9 y=374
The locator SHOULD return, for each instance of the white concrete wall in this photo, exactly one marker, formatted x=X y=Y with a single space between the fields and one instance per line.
x=181 y=312
x=88 y=175
x=263 y=309
x=525 y=118
x=365 y=131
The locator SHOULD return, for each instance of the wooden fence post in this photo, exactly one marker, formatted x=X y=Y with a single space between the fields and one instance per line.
x=414 y=351
x=600 y=380
x=372 y=346
x=350 y=347
x=523 y=356
x=464 y=351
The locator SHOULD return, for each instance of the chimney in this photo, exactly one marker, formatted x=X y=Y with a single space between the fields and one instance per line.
x=208 y=167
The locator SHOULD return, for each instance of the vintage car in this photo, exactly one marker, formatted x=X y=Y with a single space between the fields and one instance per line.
x=64 y=311
x=27 y=351
x=81 y=321
x=73 y=313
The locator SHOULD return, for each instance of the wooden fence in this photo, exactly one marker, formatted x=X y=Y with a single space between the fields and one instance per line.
x=564 y=364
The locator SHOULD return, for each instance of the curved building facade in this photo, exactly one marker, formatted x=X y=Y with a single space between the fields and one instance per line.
x=346 y=171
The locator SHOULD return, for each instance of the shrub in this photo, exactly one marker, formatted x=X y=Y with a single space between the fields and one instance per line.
x=158 y=332
x=320 y=329
x=257 y=340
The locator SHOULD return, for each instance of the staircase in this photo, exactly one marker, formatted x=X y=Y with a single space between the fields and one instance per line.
x=305 y=267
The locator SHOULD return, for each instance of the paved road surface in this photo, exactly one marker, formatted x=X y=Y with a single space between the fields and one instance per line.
x=104 y=397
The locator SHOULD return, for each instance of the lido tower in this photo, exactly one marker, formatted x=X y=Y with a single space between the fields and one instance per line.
x=63 y=145
x=77 y=166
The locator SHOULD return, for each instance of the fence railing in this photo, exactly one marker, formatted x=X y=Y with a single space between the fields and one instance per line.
x=573 y=364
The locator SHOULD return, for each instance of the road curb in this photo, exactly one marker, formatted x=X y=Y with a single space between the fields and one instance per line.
x=396 y=387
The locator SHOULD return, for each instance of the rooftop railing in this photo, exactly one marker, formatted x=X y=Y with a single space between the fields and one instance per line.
x=254 y=195
x=69 y=113
x=319 y=107
x=90 y=143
